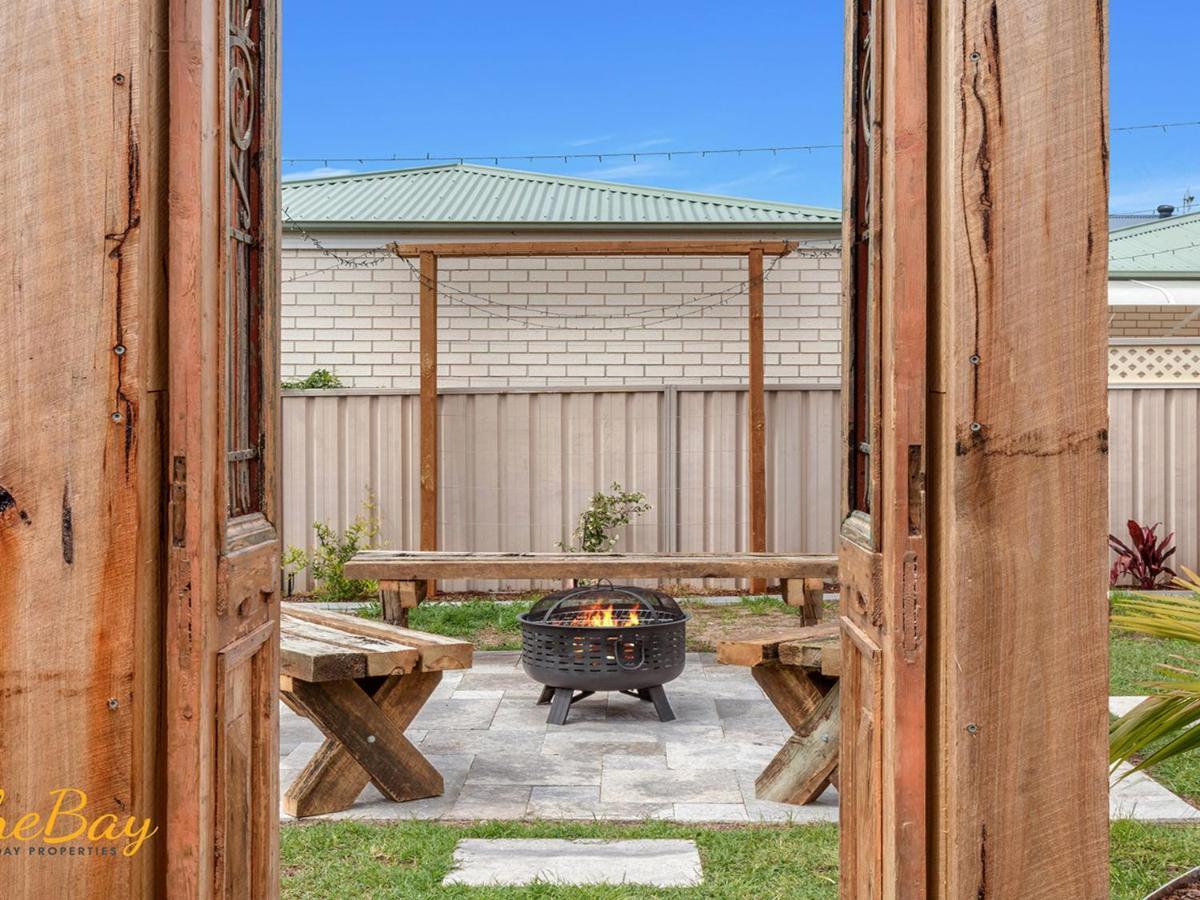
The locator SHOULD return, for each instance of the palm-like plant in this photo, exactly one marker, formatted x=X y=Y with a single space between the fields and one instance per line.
x=1174 y=706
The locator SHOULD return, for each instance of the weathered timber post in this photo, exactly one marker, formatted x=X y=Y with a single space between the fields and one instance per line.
x=974 y=680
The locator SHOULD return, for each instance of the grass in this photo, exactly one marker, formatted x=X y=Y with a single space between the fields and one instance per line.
x=1141 y=856
x=407 y=860
x=493 y=626
x=1132 y=658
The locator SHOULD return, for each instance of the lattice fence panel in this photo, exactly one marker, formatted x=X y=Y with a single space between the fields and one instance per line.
x=1153 y=363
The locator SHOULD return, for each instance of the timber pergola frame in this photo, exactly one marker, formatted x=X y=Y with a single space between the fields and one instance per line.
x=754 y=251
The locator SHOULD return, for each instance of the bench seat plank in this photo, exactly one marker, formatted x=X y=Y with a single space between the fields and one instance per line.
x=759 y=649
x=431 y=652
x=314 y=652
x=399 y=565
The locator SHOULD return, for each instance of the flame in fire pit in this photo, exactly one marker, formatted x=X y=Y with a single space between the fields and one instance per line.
x=597 y=616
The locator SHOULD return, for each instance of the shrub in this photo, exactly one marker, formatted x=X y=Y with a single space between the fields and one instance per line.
x=1164 y=724
x=607 y=512
x=329 y=557
x=320 y=378
x=1144 y=560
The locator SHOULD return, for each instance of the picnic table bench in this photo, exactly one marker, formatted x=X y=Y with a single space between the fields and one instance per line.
x=404 y=576
x=798 y=670
x=361 y=682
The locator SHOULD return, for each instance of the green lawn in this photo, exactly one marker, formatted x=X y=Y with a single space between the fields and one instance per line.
x=409 y=859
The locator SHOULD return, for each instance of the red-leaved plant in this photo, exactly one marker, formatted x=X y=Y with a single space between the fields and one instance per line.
x=1144 y=559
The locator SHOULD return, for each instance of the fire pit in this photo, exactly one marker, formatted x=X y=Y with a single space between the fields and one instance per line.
x=603 y=638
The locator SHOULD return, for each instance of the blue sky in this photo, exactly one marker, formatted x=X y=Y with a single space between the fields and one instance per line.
x=376 y=79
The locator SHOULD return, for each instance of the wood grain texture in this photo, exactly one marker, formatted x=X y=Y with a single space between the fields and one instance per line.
x=364 y=742
x=223 y=572
x=800 y=771
x=757 y=437
x=429 y=404
x=1021 y=450
x=434 y=651
x=81 y=424
x=399 y=565
x=753 y=650
x=594 y=248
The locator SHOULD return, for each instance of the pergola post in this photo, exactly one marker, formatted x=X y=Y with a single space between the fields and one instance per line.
x=757 y=438
x=429 y=404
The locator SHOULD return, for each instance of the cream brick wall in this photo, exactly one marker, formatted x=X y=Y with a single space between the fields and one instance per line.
x=362 y=323
x=1154 y=321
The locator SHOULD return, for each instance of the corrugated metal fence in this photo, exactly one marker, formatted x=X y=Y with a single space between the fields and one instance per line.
x=517 y=466
x=1154 y=463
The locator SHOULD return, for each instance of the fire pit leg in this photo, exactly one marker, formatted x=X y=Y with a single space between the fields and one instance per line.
x=661 y=704
x=560 y=706
x=547 y=695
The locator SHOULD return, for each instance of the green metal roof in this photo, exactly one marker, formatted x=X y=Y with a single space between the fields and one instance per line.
x=468 y=196
x=1164 y=248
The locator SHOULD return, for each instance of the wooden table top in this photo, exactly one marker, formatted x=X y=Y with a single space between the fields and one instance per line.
x=319 y=645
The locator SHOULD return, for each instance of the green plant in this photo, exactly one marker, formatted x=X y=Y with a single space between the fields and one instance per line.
x=319 y=378
x=1160 y=727
x=329 y=557
x=606 y=512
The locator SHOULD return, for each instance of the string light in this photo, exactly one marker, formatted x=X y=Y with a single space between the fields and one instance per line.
x=496 y=159
x=634 y=155
x=1148 y=253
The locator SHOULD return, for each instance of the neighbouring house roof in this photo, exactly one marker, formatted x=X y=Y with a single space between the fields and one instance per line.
x=1164 y=248
x=464 y=197
x=1155 y=263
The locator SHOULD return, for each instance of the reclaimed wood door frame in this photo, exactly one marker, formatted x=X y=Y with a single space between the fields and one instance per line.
x=882 y=546
x=222 y=610
x=975 y=412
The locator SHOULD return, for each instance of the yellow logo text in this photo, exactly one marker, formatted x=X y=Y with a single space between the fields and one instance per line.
x=67 y=822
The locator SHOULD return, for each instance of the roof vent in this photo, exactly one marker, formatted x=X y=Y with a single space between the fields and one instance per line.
x=1165 y=211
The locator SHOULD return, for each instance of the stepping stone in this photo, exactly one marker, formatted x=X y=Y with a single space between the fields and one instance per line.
x=517 y=861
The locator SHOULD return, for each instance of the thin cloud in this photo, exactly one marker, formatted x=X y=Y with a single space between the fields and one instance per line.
x=754 y=181
x=320 y=172
x=643 y=168
x=588 y=142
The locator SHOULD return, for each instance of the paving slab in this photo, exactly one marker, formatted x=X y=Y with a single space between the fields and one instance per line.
x=534 y=768
x=613 y=760
x=620 y=783
x=1137 y=796
x=1118 y=706
x=518 y=861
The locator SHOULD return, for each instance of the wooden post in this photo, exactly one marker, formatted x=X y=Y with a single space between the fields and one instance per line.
x=1019 y=451
x=757 y=437
x=429 y=406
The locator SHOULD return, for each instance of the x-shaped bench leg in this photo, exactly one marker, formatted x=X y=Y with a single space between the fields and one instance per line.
x=364 y=741
x=807 y=763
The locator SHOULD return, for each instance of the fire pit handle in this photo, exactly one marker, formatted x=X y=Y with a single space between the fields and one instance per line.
x=641 y=645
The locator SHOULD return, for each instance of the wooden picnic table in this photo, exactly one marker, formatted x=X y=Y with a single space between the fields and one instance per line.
x=361 y=682
x=798 y=670
x=403 y=575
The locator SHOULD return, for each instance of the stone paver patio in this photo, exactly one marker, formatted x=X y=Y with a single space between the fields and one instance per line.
x=614 y=759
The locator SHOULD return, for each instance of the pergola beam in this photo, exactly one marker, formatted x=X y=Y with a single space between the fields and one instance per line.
x=596 y=248
x=754 y=251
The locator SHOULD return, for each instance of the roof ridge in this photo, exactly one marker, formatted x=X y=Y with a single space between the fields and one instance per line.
x=1127 y=231
x=645 y=191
